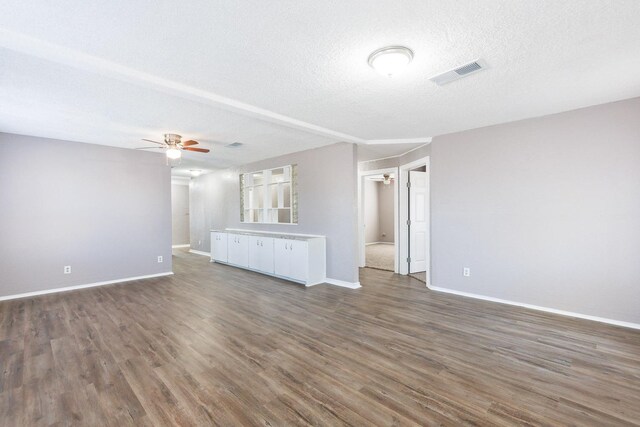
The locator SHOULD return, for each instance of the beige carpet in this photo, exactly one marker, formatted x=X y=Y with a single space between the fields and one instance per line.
x=380 y=256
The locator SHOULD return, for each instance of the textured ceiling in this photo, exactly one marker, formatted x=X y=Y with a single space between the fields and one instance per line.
x=283 y=76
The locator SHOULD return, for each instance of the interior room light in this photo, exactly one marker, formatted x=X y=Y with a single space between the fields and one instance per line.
x=195 y=173
x=174 y=153
x=390 y=60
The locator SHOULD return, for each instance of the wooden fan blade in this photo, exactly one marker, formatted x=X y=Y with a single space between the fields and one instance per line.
x=189 y=142
x=155 y=142
x=150 y=148
x=199 y=150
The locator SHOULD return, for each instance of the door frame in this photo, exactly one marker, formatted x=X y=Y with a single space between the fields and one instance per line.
x=403 y=235
x=361 y=233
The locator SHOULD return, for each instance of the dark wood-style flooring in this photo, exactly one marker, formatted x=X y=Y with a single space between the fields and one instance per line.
x=214 y=345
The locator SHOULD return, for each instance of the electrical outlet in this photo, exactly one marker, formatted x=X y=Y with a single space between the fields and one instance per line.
x=466 y=272
x=199 y=242
x=159 y=259
x=67 y=269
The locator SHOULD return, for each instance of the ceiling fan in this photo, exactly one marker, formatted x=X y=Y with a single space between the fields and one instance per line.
x=174 y=146
x=386 y=179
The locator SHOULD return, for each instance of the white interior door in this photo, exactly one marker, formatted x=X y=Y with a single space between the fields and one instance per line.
x=419 y=221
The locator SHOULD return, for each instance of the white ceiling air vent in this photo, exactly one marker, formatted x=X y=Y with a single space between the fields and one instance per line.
x=460 y=72
x=234 y=145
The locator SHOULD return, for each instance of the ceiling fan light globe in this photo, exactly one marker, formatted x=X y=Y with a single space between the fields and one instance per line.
x=173 y=153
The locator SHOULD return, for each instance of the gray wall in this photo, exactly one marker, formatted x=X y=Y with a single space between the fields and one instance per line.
x=386 y=232
x=371 y=218
x=544 y=211
x=327 y=194
x=105 y=211
x=180 y=214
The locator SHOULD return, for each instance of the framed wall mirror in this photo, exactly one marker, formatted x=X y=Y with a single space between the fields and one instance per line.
x=269 y=196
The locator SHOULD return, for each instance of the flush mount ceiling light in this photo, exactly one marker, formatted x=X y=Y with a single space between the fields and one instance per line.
x=390 y=60
x=195 y=172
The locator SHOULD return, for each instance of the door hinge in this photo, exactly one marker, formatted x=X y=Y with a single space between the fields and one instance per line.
x=408 y=184
x=408 y=222
x=409 y=260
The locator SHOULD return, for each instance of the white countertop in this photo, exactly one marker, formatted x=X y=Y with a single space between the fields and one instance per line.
x=276 y=234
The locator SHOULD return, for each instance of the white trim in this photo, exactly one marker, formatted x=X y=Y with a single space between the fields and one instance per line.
x=180 y=246
x=379 y=243
x=361 y=225
x=393 y=157
x=89 y=285
x=342 y=283
x=537 y=307
x=193 y=251
x=184 y=183
x=425 y=140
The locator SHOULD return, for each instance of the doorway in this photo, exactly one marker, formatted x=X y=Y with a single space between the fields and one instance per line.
x=414 y=235
x=378 y=191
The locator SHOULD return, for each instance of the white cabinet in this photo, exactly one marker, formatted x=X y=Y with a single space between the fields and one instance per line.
x=238 y=250
x=293 y=257
x=219 y=246
x=261 y=254
x=302 y=260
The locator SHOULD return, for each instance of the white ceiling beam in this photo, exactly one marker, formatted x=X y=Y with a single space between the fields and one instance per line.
x=73 y=58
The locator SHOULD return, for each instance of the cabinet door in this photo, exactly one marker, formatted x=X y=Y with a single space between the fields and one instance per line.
x=299 y=259
x=267 y=255
x=243 y=250
x=255 y=254
x=238 y=250
x=281 y=258
x=219 y=246
x=232 y=248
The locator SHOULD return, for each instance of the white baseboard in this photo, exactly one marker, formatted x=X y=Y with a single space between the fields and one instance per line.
x=193 y=251
x=342 y=283
x=379 y=243
x=89 y=285
x=180 y=246
x=539 y=308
